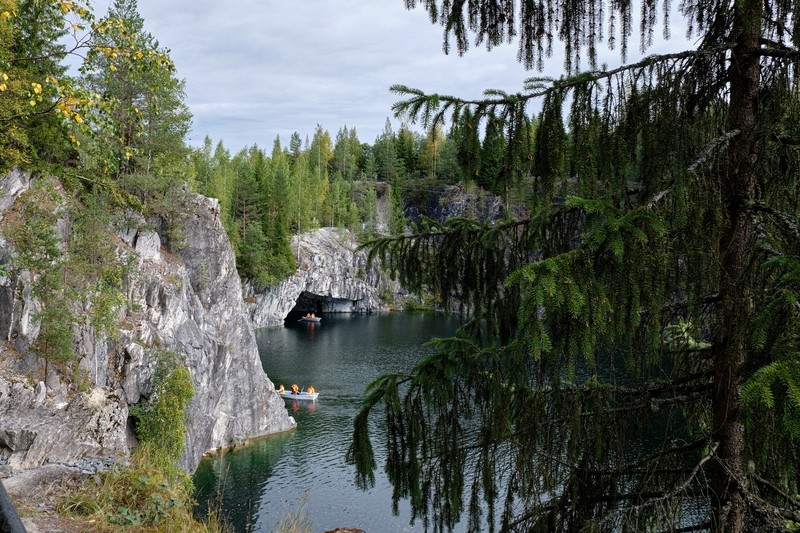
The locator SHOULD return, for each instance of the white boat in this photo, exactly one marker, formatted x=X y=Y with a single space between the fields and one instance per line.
x=309 y=396
x=310 y=319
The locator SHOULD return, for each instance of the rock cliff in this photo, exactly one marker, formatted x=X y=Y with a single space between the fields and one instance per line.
x=187 y=300
x=332 y=277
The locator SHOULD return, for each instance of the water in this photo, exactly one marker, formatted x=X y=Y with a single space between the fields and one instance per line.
x=257 y=485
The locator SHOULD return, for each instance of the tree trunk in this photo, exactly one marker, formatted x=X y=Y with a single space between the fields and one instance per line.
x=735 y=249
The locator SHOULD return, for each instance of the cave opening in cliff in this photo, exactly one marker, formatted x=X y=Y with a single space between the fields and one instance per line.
x=309 y=302
x=306 y=303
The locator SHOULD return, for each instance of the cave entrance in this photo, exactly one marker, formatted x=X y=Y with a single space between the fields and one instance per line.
x=307 y=302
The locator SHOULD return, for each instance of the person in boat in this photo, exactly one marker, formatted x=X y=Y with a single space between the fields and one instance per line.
x=282 y=389
x=310 y=390
x=295 y=389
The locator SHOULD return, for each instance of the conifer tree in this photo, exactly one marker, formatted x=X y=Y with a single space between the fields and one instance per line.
x=406 y=148
x=203 y=169
x=491 y=173
x=467 y=138
x=295 y=146
x=320 y=152
x=431 y=153
x=347 y=153
x=40 y=33
x=385 y=150
x=448 y=168
x=145 y=99
x=630 y=360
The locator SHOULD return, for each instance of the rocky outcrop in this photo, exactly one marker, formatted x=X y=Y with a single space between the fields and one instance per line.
x=447 y=201
x=195 y=306
x=187 y=300
x=35 y=429
x=332 y=277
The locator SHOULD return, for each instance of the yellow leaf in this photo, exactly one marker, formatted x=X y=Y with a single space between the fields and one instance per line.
x=78 y=118
x=4 y=16
x=3 y=87
x=32 y=102
x=4 y=76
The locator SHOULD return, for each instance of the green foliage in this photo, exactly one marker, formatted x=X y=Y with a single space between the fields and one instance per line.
x=41 y=28
x=347 y=153
x=89 y=276
x=32 y=233
x=14 y=86
x=143 y=496
x=52 y=118
x=264 y=199
x=490 y=173
x=631 y=345
x=161 y=418
x=147 y=120
x=95 y=272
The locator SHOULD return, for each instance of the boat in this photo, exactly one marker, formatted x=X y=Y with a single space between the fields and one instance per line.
x=310 y=319
x=302 y=395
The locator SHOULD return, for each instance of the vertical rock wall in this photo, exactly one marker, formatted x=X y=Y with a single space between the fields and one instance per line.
x=188 y=300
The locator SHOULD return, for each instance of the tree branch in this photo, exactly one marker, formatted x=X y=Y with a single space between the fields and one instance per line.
x=794 y=502
x=710 y=148
x=534 y=87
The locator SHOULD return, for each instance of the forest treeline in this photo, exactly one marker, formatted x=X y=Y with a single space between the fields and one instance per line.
x=316 y=182
x=119 y=126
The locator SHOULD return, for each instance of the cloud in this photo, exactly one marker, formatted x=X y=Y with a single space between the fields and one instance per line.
x=255 y=69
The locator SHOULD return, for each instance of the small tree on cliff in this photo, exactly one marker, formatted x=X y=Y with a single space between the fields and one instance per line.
x=634 y=342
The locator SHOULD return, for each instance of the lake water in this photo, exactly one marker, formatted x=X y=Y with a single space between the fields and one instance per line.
x=257 y=485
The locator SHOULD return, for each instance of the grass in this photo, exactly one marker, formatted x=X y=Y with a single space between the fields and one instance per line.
x=297 y=520
x=148 y=495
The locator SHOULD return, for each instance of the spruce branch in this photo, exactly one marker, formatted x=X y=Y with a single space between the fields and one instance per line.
x=681 y=487
x=783 y=220
x=425 y=106
x=711 y=148
x=791 y=500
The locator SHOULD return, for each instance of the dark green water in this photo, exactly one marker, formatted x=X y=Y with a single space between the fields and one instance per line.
x=256 y=485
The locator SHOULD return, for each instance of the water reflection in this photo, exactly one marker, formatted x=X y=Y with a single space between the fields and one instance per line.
x=223 y=478
x=295 y=406
x=254 y=486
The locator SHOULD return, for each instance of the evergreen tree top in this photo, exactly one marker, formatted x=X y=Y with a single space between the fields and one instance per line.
x=647 y=298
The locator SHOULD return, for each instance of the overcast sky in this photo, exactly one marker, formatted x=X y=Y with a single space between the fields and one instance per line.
x=255 y=69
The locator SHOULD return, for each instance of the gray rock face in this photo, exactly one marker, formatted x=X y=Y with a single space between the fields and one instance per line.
x=32 y=433
x=447 y=201
x=330 y=273
x=207 y=320
x=188 y=302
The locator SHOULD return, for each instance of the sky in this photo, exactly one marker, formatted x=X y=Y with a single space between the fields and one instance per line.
x=257 y=69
